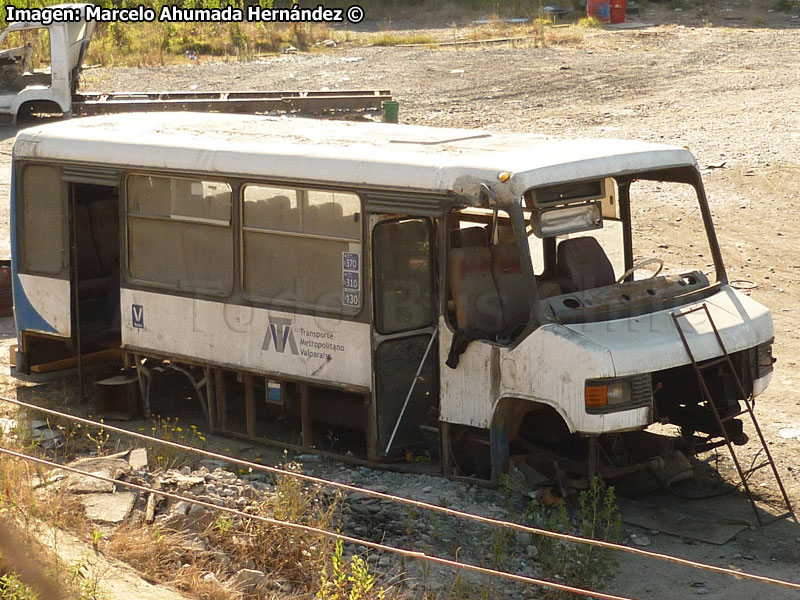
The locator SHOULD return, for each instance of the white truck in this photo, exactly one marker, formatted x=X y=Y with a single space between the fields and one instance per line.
x=26 y=90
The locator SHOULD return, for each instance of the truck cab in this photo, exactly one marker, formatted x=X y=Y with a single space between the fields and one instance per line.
x=31 y=82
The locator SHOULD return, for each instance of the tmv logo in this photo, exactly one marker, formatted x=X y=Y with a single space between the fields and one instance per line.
x=280 y=333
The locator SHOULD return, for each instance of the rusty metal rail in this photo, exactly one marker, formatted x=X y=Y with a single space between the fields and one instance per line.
x=306 y=102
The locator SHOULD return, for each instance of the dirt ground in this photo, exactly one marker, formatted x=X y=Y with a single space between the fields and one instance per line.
x=720 y=84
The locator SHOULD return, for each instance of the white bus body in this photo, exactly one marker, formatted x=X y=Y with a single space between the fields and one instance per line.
x=359 y=257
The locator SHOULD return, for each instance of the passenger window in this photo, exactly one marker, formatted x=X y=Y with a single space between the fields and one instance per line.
x=271 y=208
x=42 y=215
x=333 y=214
x=302 y=247
x=179 y=232
x=403 y=276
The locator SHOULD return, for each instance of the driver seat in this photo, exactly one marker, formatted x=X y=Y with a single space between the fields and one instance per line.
x=582 y=264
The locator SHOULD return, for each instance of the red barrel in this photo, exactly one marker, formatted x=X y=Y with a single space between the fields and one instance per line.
x=618 y=8
x=599 y=10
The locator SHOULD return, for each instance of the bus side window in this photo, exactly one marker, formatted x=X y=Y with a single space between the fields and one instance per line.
x=403 y=275
x=42 y=236
x=302 y=247
x=179 y=233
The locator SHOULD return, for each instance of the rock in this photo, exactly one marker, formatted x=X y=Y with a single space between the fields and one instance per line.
x=213 y=464
x=246 y=580
x=309 y=458
x=702 y=591
x=183 y=482
x=193 y=544
x=137 y=459
x=186 y=470
x=210 y=578
x=221 y=558
x=384 y=561
x=46 y=437
x=81 y=484
x=181 y=508
x=211 y=500
x=532 y=551
x=427 y=489
x=110 y=468
x=641 y=540
x=108 y=508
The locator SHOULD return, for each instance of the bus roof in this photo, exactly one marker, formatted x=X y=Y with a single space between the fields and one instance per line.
x=341 y=152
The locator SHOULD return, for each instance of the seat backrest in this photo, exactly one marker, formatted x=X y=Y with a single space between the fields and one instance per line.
x=104 y=224
x=512 y=287
x=505 y=235
x=582 y=264
x=469 y=237
x=473 y=289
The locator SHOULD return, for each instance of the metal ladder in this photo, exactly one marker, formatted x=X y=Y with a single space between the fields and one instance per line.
x=725 y=361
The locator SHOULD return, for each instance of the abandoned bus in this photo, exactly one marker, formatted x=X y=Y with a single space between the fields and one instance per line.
x=477 y=294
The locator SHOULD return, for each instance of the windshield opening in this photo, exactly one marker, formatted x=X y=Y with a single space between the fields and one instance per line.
x=25 y=59
x=618 y=248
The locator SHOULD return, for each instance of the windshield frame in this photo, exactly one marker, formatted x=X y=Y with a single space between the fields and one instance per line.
x=540 y=314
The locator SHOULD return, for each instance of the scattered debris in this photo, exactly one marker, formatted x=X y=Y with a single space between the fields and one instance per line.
x=680 y=523
x=108 y=508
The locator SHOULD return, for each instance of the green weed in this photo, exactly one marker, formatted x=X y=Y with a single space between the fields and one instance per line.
x=582 y=565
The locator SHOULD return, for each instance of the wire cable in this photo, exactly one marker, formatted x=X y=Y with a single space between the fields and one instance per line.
x=419 y=504
x=334 y=535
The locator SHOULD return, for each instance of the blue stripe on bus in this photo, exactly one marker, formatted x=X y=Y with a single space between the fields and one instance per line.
x=25 y=315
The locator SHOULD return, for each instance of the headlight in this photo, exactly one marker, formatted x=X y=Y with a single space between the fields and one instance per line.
x=764 y=359
x=618 y=393
x=608 y=393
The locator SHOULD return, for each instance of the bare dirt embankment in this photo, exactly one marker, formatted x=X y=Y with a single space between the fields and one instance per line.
x=730 y=94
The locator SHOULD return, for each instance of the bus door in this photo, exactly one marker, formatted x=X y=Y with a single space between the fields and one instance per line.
x=94 y=234
x=404 y=332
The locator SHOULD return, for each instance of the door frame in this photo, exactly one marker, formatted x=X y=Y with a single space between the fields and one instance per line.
x=375 y=449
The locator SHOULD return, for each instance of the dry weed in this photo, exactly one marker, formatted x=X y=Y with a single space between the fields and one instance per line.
x=291 y=557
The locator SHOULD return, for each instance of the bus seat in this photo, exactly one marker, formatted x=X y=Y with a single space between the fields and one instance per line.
x=288 y=219
x=582 y=264
x=278 y=214
x=473 y=289
x=512 y=288
x=505 y=235
x=279 y=203
x=104 y=224
x=469 y=237
x=328 y=218
x=257 y=214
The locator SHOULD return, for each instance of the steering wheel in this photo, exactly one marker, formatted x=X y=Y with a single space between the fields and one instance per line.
x=641 y=264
